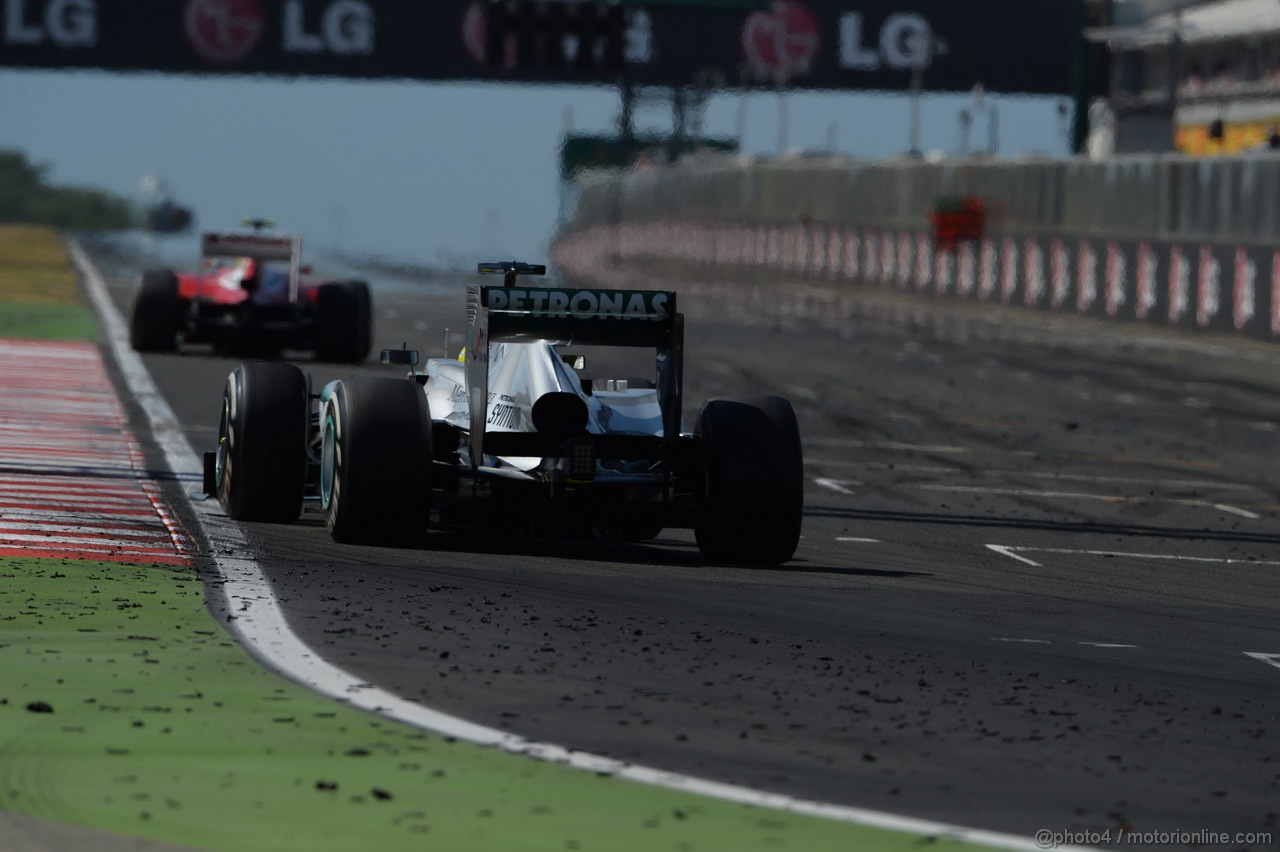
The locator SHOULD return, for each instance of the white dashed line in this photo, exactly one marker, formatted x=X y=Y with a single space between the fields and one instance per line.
x=837 y=485
x=1005 y=550
x=1260 y=656
x=1236 y=510
x=850 y=540
x=885 y=445
x=1031 y=474
x=1081 y=495
x=1012 y=552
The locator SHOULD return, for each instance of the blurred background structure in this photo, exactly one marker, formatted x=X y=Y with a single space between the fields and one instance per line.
x=417 y=132
x=1195 y=77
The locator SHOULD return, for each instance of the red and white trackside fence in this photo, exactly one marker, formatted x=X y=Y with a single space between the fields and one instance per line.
x=1217 y=286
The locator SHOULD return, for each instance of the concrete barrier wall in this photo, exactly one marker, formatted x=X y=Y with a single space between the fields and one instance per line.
x=1192 y=243
x=1136 y=197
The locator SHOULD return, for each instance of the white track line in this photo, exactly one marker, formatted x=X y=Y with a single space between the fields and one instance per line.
x=1009 y=551
x=1236 y=510
x=1004 y=550
x=1080 y=495
x=1032 y=474
x=260 y=624
x=885 y=445
x=1269 y=659
x=837 y=485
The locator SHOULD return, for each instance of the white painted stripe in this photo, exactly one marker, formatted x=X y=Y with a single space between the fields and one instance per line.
x=85 y=413
x=131 y=515
x=858 y=540
x=86 y=453
x=1078 y=495
x=9 y=532
x=71 y=468
x=1008 y=550
x=45 y=429
x=81 y=397
x=1066 y=477
x=907 y=468
x=44 y=498
x=884 y=445
x=261 y=625
x=90 y=541
x=124 y=484
x=1016 y=492
x=27 y=494
x=1236 y=510
x=1004 y=550
x=108 y=550
x=96 y=432
x=1260 y=656
x=837 y=485
x=57 y=483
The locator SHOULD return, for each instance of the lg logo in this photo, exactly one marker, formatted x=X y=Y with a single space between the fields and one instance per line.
x=345 y=28
x=62 y=23
x=905 y=41
x=227 y=31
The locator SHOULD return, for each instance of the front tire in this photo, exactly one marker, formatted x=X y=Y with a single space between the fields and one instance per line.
x=755 y=481
x=375 y=469
x=260 y=470
x=157 y=313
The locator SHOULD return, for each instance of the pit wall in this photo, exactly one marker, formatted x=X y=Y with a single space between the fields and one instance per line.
x=1160 y=240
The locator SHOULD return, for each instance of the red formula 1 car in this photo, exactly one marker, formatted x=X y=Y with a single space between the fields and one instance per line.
x=250 y=298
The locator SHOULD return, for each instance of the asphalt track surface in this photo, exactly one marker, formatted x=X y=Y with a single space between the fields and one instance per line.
x=1092 y=670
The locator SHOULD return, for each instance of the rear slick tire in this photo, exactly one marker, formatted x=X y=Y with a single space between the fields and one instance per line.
x=260 y=470
x=343 y=333
x=157 y=313
x=754 y=479
x=359 y=294
x=375 y=467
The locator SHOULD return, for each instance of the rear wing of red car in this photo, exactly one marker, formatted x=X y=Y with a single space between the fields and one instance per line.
x=258 y=247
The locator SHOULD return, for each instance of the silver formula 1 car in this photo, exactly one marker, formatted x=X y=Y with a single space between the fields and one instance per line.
x=509 y=435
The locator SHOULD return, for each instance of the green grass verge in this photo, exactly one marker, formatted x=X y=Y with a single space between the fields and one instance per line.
x=39 y=297
x=34 y=321
x=161 y=726
x=34 y=266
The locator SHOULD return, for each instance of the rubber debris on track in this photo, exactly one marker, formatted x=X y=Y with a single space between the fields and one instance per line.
x=73 y=481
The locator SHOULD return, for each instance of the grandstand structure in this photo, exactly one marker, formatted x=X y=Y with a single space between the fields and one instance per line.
x=1198 y=77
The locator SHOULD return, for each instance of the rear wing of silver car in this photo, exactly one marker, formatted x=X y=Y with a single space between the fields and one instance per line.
x=258 y=247
x=587 y=317
x=510 y=269
x=573 y=315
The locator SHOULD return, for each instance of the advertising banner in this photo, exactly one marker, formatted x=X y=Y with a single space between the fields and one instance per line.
x=951 y=45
